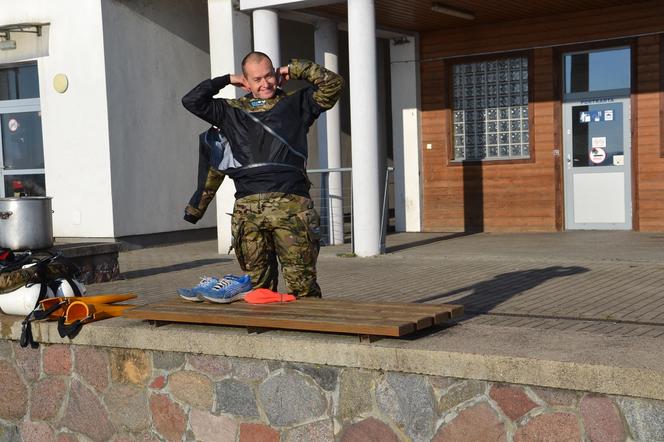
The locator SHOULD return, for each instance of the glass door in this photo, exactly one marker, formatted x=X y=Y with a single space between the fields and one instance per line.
x=21 y=144
x=597 y=140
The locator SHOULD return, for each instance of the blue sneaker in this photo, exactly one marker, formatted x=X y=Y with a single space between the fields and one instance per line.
x=228 y=289
x=192 y=295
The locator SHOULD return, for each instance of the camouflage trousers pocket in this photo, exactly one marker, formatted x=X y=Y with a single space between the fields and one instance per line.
x=311 y=223
x=237 y=228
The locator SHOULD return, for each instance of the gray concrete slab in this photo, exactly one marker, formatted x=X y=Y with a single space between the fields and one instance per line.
x=604 y=277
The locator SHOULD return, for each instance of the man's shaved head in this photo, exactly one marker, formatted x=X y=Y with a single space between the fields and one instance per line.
x=254 y=57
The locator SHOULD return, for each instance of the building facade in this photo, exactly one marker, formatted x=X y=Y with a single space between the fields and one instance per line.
x=510 y=116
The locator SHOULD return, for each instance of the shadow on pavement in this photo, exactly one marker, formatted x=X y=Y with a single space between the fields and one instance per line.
x=171 y=268
x=486 y=295
x=424 y=242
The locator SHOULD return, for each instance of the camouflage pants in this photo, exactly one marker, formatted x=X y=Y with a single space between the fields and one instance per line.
x=275 y=225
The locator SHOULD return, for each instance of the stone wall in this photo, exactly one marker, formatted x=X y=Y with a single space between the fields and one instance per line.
x=70 y=393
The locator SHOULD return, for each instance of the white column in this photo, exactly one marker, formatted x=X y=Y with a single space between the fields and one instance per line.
x=364 y=127
x=406 y=134
x=266 y=34
x=329 y=134
x=230 y=37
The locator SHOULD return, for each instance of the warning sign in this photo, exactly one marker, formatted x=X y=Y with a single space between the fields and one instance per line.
x=597 y=155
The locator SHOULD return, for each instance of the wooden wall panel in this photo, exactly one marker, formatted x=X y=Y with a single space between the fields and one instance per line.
x=650 y=164
x=527 y=196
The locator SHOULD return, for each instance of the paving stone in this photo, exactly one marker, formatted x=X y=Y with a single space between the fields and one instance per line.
x=235 y=397
x=249 y=369
x=326 y=377
x=158 y=383
x=355 y=389
x=28 y=361
x=460 y=393
x=91 y=364
x=128 y=407
x=66 y=437
x=130 y=366
x=167 y=360
x=214 y=366
x=258 y=433
x=557 y=398
x=9 y=433
x=552 y=427
x=320 y=431
x=601 y=419
x=85 y=413
x=512 y=400
x=288 y=399
x=368 y=430
x=477 y=423
x=210 y=428
x=168 y=418
x=409 y=400
x=14 y=393
x=192 y=388
x=48 y=395
x=36 y=432
x=645 y=418
x=57 y=359
x=6 y=349
x=440 y=383
x=142 y=437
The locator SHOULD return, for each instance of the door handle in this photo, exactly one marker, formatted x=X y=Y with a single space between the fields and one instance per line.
x=569 y=161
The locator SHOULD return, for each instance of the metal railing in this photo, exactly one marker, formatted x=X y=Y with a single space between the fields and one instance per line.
x=332 y=193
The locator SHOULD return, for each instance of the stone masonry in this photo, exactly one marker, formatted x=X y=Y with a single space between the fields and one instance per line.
x=68 y=393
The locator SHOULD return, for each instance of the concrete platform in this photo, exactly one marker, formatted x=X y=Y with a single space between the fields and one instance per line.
x=581 y=310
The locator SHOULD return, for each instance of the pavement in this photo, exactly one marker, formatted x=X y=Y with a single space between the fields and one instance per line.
x=583 y=282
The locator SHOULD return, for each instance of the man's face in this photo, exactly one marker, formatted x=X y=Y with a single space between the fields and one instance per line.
x=260 y=78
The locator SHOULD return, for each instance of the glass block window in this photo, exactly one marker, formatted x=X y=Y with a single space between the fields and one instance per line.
x=490 y=109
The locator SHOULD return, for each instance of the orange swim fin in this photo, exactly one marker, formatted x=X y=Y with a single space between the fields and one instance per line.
x=84 y=311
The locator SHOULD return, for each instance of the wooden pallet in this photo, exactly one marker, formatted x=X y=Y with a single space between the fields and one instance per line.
x=321 y=315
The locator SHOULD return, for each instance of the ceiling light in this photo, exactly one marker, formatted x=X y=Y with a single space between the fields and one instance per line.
x=444 y=9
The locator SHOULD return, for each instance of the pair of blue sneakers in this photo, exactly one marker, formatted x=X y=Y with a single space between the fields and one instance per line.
x=225 y=290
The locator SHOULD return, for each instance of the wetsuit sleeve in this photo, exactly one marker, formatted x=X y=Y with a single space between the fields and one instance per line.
x=327 y=84
x=200 y=100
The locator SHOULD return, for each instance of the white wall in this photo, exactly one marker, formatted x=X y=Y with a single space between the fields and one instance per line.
x=156 y=51
x=74 y=124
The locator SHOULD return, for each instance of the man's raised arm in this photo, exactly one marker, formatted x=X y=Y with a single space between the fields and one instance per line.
x=329 y=85
x=200 y=100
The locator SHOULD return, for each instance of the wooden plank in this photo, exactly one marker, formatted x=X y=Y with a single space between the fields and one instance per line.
x=422 y=315
x=325 y=315
x=421 y=320
x=269 y=320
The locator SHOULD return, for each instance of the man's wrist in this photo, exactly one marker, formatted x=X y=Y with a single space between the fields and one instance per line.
x=221 y=82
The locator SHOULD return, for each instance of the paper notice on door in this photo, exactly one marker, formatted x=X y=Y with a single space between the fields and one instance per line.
x=599 y=142
x=608 y=115
x=619 y=160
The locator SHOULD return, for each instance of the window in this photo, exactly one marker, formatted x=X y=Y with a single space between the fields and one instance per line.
x=490 y=110
x=21 y=146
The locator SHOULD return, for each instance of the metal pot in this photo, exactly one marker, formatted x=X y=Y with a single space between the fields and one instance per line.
x=26 y=223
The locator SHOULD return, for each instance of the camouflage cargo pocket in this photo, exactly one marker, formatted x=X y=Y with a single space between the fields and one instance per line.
x=311 y=222
x=236 y=242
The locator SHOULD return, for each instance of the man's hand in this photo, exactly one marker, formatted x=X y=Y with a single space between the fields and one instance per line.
x=238 y=80
x=283 y=75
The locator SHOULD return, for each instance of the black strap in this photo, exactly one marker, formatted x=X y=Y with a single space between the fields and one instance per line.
x=70 y=331
x=271 y=131
x=43 y=314
x=26 y=334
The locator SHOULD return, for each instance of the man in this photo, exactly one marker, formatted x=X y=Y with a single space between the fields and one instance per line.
x=266 y=130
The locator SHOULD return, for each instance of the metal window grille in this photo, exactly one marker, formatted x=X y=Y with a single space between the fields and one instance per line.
x=490 y=110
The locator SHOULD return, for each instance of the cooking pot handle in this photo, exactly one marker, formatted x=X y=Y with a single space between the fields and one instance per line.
x=5 y=215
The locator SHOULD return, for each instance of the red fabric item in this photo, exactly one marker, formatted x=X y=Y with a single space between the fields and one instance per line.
x=267 y=296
